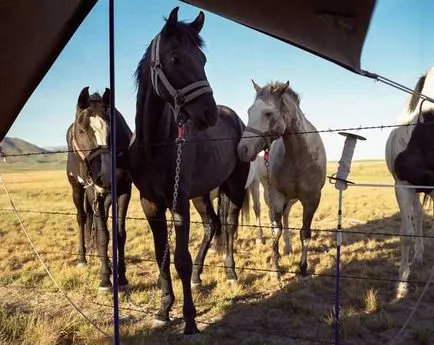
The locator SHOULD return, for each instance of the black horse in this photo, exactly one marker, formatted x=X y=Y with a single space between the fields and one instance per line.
x=89 y=169
x=174 y=94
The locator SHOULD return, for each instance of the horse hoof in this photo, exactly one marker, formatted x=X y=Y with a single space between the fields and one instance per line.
x=191 y=330
x=260 y=241
x=232 y=282
x=159 y=323
x=401 y=290
x=212 y=250
x=124 y=287
x=194 y=338
x=196 y=284
x=104 y=289
x=81 y=264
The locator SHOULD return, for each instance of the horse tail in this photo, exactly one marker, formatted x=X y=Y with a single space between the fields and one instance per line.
x=222 y=214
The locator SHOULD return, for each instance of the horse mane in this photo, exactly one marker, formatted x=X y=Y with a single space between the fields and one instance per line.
x=414 y=98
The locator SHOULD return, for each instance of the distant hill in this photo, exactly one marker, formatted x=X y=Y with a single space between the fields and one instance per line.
x=24 y=155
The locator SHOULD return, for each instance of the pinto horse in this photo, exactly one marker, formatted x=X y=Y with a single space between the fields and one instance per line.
x=174 y=96
x=409 y=158
x=88 y=169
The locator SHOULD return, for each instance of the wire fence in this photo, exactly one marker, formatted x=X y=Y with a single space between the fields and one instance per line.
x=137 y=259
x=250 y=136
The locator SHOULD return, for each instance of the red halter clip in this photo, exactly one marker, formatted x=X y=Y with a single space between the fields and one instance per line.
x=181 y=133
x=266 y=155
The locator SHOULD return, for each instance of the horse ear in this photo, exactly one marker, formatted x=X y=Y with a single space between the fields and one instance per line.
x=106 y=97
x=197 y=24
x=283 y=88
x=172 y=20
x=83 y=98
x=256 y=86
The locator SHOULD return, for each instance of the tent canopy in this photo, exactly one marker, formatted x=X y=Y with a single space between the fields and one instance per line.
x=32 y=36
x=332 y=29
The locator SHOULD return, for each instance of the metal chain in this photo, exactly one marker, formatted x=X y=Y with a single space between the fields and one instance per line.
x=273 y=222
x=180 y=140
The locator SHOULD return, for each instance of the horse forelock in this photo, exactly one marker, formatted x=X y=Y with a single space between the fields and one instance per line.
x=270 y=90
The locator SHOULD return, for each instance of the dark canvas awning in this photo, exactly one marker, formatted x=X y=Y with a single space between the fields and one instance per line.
x=32 y=35
x=332 y=29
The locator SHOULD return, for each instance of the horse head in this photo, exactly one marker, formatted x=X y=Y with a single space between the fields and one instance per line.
x=266 y=121
x=177 y=71
x=90 y=137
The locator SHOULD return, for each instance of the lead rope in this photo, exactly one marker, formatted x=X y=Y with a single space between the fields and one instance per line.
x=273 y=222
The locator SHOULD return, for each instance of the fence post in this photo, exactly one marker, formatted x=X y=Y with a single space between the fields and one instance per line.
x=341 y=183
x=114 y=194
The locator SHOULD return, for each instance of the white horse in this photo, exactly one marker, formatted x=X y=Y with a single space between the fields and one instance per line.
x=297 y=162
x=408 y=199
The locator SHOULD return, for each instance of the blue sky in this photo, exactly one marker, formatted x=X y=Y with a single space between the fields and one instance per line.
x=399 y=46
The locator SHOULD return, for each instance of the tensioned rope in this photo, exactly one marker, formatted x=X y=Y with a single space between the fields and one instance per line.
x=23 y=227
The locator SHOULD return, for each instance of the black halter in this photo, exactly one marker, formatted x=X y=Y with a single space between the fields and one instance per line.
x=180 y=97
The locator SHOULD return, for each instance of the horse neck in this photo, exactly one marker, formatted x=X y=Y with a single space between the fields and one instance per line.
x=153 y=119
x=295 y=122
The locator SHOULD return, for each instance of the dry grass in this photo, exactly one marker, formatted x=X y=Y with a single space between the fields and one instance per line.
x=255 y=311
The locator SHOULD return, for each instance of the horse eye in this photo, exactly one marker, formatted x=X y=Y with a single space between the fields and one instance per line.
x=174 y=59
x=81 y=131
x=268 y=113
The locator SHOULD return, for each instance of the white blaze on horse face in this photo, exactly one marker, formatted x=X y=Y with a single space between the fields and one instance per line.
x=258 y=118
x=100 y=129
x=251 y=144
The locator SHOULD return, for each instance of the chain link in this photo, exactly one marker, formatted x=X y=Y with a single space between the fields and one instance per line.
x=273 y=222
x=180 y=140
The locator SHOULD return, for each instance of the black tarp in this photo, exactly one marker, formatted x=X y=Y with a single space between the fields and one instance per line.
x=34 y=32
x=32 y=35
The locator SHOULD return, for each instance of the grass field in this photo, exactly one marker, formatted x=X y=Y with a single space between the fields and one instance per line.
x=254 y=311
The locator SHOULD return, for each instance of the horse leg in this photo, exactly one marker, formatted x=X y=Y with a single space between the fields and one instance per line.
x=405 y=203
x=418 y=224
x=310 y=206
x=276 y=232
x=211 y=223
x=89 y=231
x=78 y=198
x=231 y=227
x=254 y=191
x=156 y=215
x=122 y=206
x=183 y=262
x=287 y=249
x=103 y=240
